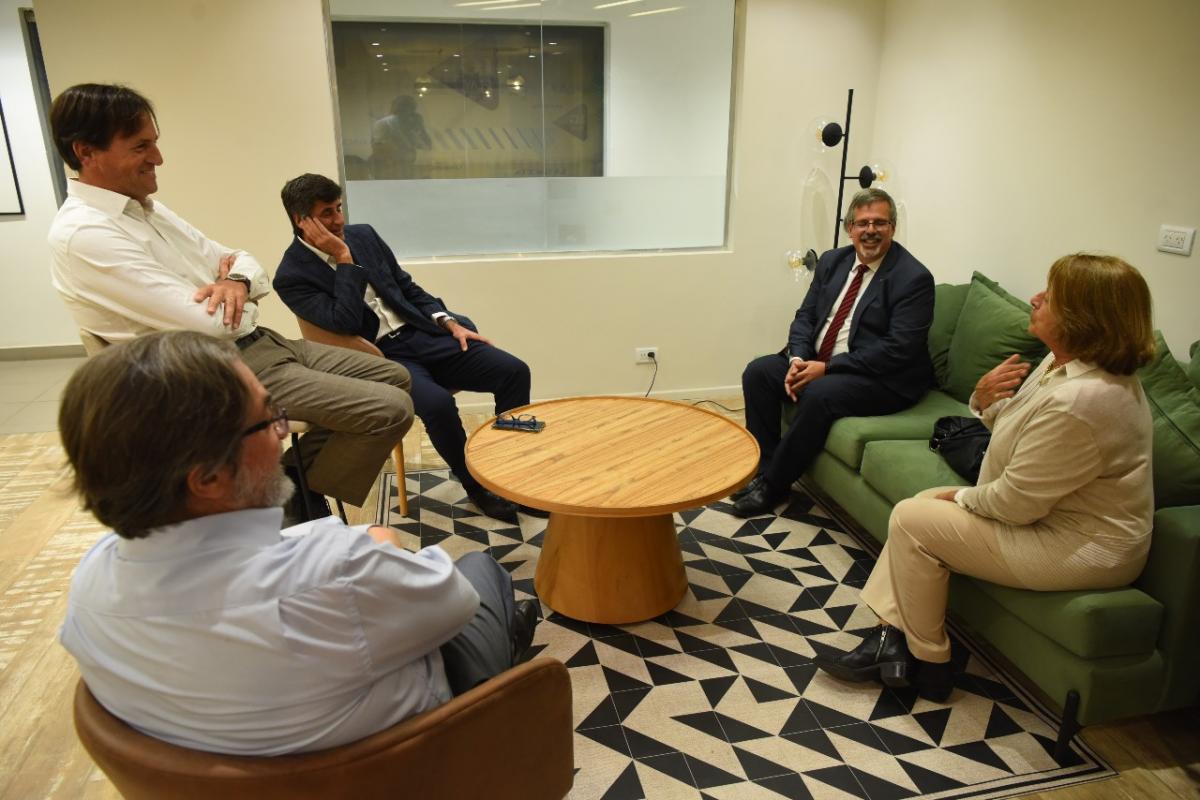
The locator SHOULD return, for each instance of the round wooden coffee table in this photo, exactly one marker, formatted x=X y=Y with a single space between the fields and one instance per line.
x=611 y=471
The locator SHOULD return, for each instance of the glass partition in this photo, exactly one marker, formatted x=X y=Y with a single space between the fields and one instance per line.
x=484 y=127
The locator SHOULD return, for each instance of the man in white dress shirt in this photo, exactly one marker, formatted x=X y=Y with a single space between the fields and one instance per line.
x=200 y=623
x=126 y=265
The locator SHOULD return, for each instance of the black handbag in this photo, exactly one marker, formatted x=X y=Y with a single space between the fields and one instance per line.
x=962 y=441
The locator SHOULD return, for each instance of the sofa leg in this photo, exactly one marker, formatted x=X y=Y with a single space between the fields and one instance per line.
x=1069 y=727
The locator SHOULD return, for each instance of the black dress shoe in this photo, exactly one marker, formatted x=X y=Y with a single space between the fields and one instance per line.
x=760 y=500
x=754 y=483
x=526 y=616
x=934 y=681
x=492 y=505
x=883 y=655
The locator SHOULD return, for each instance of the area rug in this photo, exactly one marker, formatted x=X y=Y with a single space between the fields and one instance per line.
x=719 y=697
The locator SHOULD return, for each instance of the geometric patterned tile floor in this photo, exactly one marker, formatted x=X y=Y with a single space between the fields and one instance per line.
x=719 y=698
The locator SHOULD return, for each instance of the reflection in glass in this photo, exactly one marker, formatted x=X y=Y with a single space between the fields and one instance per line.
x=468 y=100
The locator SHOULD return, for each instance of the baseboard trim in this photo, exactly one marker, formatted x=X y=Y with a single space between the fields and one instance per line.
x=42 y=351
x=482 y=403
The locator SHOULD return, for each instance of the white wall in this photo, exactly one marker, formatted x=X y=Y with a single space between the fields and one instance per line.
x=33 y=315
x=1027 y=129
x=244 y=101
x=242 y=96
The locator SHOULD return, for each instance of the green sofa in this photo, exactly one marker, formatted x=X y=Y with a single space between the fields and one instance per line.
x=1101 y=654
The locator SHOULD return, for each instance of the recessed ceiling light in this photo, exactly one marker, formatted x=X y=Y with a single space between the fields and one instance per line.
x=374 y=44
x=656 y=11
x=505 y=8
x=379 y=55
x=616 y=3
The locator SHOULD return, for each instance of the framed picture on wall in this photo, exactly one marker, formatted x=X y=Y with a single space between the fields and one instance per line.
x=10 y=191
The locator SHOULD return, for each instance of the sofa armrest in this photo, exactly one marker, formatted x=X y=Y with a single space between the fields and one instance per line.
x=1172 y=576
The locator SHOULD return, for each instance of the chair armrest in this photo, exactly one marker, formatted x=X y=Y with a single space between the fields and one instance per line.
x=315 y=333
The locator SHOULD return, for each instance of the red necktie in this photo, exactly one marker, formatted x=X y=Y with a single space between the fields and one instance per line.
x=839 y=319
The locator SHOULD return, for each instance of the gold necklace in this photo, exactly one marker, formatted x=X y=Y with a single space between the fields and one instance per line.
x=1049 y=373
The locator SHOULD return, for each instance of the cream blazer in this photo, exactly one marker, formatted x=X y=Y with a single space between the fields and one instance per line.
x=1070 y=463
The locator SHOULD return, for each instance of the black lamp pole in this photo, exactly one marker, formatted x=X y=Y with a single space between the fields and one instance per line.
x=837 y=212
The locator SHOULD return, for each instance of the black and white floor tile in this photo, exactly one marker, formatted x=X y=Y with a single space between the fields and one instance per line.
x=719 y=697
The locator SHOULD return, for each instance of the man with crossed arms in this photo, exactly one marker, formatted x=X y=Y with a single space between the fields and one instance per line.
x=857 y=347
x=126 y=265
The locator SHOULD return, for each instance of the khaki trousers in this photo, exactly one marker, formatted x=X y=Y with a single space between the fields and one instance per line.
x=358 y=405
x=927 y=540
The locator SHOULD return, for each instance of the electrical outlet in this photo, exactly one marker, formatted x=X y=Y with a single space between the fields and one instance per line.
x=1176 y=239
x=645 y=355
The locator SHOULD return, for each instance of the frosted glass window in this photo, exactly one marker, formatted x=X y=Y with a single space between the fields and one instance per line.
x=474 y=128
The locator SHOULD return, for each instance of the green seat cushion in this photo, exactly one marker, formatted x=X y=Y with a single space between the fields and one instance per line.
x=1091 y=624
x=1175 y=411
x=850 y=434
x=948 y=299
x=898 y=470
x=991 y=327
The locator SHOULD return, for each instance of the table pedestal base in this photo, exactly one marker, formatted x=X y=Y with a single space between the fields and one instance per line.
x=613 y=570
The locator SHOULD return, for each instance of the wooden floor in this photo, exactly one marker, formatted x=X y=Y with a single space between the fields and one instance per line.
x=43 y=533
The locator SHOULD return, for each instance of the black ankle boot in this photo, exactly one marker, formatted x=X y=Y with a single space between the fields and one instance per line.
x=883 y=655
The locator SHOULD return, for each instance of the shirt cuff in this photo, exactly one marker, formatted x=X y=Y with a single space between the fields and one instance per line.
x=442 y=315
x=958 y=498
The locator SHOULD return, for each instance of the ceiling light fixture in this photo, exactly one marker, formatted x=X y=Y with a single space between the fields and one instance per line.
x=505 y=8
x=615 y=3
x=656 y=11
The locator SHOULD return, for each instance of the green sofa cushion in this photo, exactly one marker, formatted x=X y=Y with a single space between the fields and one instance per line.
x=1091 y=624
x=1175 y=411
x=850 y=434
x=991 y=327
x=948 y=299
x=899 y=469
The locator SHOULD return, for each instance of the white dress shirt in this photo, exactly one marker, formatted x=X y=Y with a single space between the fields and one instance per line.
x=389 y=320
x=842 y=343
x=125 y=269
x=220 y=634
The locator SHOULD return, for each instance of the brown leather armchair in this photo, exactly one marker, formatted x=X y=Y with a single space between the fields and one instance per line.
x=510 y=737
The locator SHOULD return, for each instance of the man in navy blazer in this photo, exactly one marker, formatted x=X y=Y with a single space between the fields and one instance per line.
x=857 y=347
x=344 y=278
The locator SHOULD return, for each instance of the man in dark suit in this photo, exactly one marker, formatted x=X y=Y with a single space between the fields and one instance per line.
x=857 y=347
x=344 y=278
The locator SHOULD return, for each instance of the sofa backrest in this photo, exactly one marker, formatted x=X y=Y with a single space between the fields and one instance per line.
x=985 y=324
x=1175 y=410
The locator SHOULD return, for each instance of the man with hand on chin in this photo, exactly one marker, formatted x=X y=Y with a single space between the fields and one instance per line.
x=857 y=347
x=345 y=279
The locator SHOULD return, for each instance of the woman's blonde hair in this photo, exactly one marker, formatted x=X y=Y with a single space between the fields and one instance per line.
x=1104 y=311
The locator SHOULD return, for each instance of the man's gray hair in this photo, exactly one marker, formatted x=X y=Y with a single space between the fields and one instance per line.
x=866 y=197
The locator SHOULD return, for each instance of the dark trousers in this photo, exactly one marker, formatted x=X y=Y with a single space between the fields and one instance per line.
x=483 y=649
x=438 y=366
x=784 y=458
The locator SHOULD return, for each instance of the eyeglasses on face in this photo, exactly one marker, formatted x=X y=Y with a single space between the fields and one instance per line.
x=863 y=224
x=278 y=421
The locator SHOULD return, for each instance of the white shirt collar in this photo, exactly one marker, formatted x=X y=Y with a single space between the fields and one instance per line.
x=111 y=203
x=328 y=259
x=248 y=527
x=1076 y=367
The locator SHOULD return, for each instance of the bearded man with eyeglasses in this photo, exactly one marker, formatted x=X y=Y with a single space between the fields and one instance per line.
x=857 y=347
x=200 y=622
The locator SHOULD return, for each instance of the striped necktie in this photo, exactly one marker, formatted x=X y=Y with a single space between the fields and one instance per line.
x=839 y=319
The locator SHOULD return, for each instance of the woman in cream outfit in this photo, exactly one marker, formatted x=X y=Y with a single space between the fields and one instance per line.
x=1064 y=499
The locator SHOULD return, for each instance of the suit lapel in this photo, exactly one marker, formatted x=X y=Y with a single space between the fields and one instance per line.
x=875 y=288
x=840 y=272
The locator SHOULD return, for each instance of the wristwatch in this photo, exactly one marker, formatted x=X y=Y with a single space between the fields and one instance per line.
x=240 y=279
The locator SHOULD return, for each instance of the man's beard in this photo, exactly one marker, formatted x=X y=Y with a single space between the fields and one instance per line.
x=270 y=490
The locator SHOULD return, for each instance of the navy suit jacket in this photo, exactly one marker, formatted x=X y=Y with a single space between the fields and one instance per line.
x=333 y=298
x=890 y=326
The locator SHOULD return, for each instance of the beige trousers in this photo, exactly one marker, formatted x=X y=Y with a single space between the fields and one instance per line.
x=357 y=403
x=927 y=540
